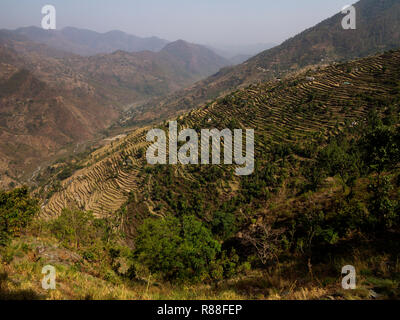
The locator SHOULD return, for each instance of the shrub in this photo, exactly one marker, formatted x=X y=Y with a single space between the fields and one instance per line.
x=176 y=249
x=383 y=208
x=224 y=224
x=16 y=210
x=75 y=228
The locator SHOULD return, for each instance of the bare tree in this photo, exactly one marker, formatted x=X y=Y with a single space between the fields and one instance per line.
x=266 y=242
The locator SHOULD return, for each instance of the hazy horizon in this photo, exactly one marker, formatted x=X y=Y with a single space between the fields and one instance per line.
x=217 y=23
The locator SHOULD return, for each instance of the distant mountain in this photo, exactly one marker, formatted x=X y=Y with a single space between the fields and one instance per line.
x=87 y=42
x=378 y=29
x=137 y=76
x=50 y=99
x=195 y=58
x=44 y=106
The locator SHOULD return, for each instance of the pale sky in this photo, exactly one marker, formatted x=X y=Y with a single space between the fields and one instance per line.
x=223 y=22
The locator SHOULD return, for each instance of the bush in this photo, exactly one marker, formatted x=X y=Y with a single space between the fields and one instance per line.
x=224 y=224
x=16 y=210
x=176 y=249
x=383 y=208
x=75 y=228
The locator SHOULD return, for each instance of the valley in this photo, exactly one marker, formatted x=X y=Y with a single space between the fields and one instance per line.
x=117 y=168
x=70 y=99
x=311 y=192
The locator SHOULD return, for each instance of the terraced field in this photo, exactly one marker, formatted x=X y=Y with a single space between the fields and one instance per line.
x=309 y=107
x=106 y=182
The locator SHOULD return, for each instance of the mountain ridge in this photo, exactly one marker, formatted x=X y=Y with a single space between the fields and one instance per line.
x=87 y=42
x=89 y=92
x=378 y=29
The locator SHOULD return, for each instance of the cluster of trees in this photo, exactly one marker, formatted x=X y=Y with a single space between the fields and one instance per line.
x=366 y=151
x=370 y=152
x=77 y=229
x=176 y=248
x=375 y=153
x=200 y=210
x=184 y=250
x=17 y=209
x=95 y=238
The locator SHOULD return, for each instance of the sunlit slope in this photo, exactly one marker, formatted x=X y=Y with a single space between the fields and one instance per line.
x=377 y=30
x=310 y=106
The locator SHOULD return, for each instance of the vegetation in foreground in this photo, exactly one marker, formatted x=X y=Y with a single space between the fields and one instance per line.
x=297 y=255
x=319 y=199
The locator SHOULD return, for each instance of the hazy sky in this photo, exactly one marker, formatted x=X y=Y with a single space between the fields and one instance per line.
x=227 y=22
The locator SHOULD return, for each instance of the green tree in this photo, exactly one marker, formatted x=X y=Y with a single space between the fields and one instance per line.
x=383 y=209
x=75 y=228
x=224 y=223
x=339 y=160
x=381 y=149
x=176 y=249
x=16 y=210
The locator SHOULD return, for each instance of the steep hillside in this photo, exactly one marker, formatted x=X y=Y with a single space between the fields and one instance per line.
x=378 y=29
x=324 y=192
x=306 y=108
x=87 y=42
x=324 y=195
